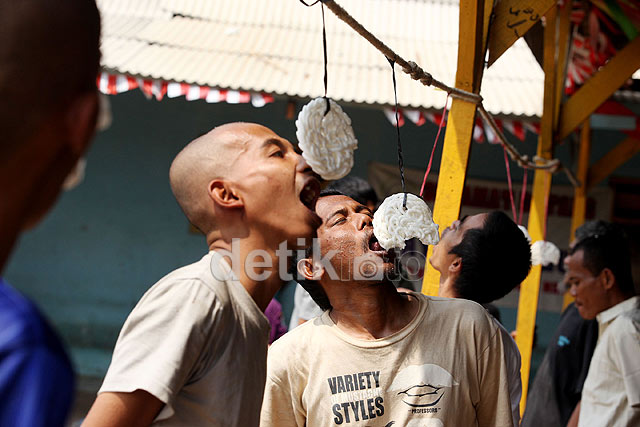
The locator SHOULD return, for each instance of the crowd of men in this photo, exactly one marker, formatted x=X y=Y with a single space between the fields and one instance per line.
x=193 y=352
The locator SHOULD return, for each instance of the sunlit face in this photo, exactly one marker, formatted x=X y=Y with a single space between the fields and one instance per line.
x=451 y=237
x=278 y=188
x=347 y=229
x=587 y=289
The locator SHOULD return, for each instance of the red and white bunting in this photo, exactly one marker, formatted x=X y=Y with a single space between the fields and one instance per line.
x=481 y=133
x=113 y=84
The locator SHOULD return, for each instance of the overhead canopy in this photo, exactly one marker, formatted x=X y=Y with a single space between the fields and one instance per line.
x=275 y=46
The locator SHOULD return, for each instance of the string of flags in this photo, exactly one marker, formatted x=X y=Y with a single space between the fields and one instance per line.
x=113 y=84
x=481 y=133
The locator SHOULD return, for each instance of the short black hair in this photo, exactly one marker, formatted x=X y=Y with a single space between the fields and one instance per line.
x=597 y=227
x=608 y=249
x=495 y=259
x=356 y=188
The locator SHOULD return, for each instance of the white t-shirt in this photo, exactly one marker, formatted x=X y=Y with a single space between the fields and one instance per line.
x=304 y=307
x=513 y=361
x=198 y=343
x=611 y=392
x=445 y=368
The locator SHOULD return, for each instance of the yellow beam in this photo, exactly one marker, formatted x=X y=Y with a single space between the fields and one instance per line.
x=599 y=87
x=612 y=160
x=530 y=288
x=563 y=28
x=580 y=193
x=512 y=20
x=457 y=139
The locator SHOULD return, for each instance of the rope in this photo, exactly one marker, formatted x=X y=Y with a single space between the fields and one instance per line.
x=400 y=159
x=417 y=73
x=433 y=149
x=513 y=204
x=523 y=193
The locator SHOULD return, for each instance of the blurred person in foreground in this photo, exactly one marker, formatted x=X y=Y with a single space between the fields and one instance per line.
x=598 y=272
x=482 y=258
x=558 y=384
x=193 y=351
x=49 y=59
x=377 y=356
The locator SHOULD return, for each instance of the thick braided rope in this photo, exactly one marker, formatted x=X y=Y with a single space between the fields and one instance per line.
x=417 y=73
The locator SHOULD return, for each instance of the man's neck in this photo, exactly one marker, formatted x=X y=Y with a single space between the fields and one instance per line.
x=446 y=288
x=371 y=311
x=249 y=256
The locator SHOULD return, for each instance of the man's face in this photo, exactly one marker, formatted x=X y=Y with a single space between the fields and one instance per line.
x=587 y=289
x=451 y=236
x=347 y=229
x=277 y=186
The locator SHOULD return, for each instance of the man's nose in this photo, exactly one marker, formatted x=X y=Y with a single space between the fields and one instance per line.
x=302 y=165
x=364 y=221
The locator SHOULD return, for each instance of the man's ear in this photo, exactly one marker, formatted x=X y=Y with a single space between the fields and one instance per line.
x=455 y=267
x=607 y=278
x=310 y=270
x=223 y=194
x=80 y=121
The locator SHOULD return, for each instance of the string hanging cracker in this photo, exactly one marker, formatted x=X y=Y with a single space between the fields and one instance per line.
x=403 y=216
x=417 y=73
x=324 y=130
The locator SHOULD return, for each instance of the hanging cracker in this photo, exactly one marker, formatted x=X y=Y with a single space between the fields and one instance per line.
x=327 y=140
x=393 y=224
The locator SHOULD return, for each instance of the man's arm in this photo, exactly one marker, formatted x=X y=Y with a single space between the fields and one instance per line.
x=123 y=409
x=575 y=416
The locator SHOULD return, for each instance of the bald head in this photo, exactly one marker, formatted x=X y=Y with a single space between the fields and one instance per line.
x=211 y=156
x=49 y=55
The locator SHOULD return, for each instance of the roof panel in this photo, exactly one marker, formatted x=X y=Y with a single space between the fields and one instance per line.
x=276 y=46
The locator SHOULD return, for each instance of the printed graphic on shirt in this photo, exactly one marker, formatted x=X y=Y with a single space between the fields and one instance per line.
x=356 y=397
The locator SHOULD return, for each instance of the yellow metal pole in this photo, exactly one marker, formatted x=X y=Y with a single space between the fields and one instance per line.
x=530 y=288
x=580 y=193
x=457 y=140
x=612 y=160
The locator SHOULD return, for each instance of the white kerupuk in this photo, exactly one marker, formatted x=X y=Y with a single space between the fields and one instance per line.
x=327 y=141
x=393 y=225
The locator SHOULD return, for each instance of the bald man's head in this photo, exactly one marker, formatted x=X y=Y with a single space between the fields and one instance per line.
x=211 y=156
x=49 y=55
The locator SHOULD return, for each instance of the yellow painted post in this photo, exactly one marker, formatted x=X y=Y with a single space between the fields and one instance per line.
x=530 y=288
x=580 y=193
x=612 y=160
x=457 y=140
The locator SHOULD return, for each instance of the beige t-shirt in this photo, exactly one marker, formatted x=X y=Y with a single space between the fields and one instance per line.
x=198 y=343
x=445 y=368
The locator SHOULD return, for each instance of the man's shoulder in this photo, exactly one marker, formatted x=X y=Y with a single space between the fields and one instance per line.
x=298 y=341
x=459 y=309
x=627 y=323
x=203 y=277
x=23 y=325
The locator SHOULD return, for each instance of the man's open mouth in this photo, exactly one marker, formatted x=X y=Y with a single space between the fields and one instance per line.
x=310 y=193
x=374 y=245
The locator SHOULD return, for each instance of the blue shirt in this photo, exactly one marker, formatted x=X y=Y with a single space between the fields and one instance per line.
x=36 y=379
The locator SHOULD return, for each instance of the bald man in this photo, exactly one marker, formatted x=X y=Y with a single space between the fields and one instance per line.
x=49 y=59
x=193 y=351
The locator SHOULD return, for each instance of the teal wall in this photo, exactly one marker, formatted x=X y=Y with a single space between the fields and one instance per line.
x=108 y=240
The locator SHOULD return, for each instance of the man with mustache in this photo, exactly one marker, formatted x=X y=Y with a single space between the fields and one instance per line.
x=377 y=356
x=193 y=351
x=598 y=272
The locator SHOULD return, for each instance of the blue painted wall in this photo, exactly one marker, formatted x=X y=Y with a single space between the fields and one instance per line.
x=109 y=240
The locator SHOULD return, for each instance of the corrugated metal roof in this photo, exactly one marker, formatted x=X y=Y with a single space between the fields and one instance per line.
x=275 y=46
